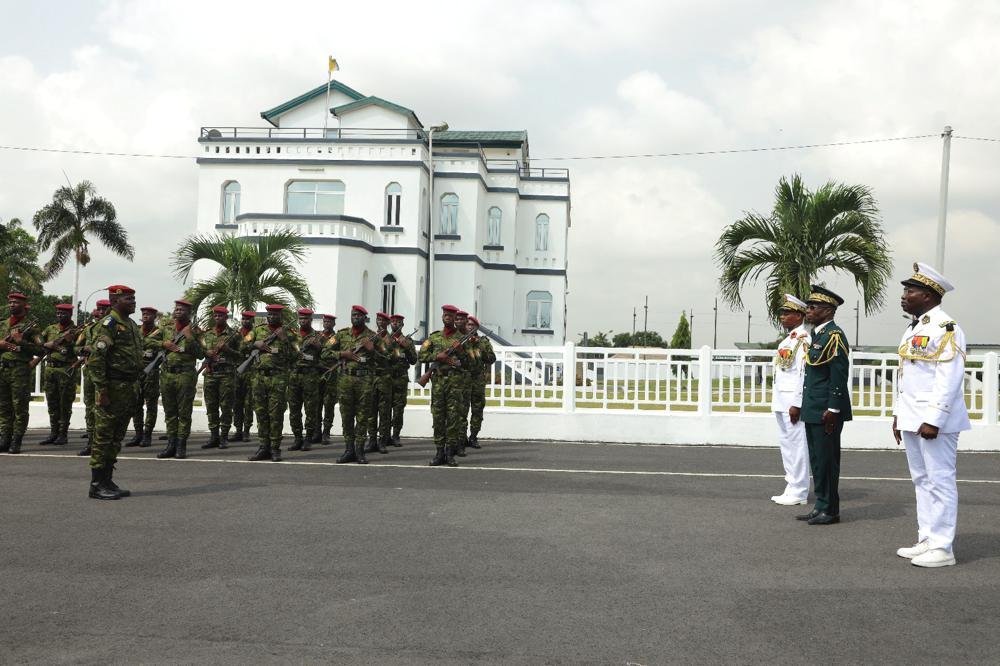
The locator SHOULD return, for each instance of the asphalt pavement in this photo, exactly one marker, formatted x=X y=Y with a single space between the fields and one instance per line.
x=529 y=552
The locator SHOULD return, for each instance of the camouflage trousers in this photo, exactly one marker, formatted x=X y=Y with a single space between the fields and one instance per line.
x=448 y=407
x=477 y=402
x=380 y=413
x=269 y=401
x=303 y=393
x=111 y=422
x=400 y=388
x=243 y=401
x=149 y=397
x=60 y=391
x=219 y=388
x=177 y=391
x=88 y=400
x=15 y=394
x=355 y=396
x=329 y=393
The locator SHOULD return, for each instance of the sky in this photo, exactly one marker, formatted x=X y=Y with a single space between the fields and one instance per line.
x=584 y=79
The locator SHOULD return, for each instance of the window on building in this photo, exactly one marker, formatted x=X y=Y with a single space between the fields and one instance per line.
x=493 y=226
x=314 y=197
x=389 y=294
x=542 y=232
x=393 y=200
x=230 y=202
x=449 y=214
x=539 y=310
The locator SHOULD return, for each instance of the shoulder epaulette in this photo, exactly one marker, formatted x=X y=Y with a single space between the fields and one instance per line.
x=109 y=321
x=948 y=325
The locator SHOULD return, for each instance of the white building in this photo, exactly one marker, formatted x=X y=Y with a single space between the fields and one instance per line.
x=359 y=193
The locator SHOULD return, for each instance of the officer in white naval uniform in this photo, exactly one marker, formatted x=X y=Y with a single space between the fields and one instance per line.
x=930 y=412
x=786 y=402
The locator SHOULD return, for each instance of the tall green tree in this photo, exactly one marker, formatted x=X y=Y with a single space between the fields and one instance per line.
x=250 y=271
x=836 y=228
x=681 y=338
x=19 y=269
x=76 y=213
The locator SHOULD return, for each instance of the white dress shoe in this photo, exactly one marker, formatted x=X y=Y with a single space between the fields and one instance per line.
x=934 y=557
x=787 y=500
x=917 y=549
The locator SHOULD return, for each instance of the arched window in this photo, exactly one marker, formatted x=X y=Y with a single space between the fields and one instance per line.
x=230 y=202
x=542 y=232
x=389 y=294
x=364 y=287
x=393 y=200
x=449 y=214
x=493 y=226
x=314 y=197
x=539 y=310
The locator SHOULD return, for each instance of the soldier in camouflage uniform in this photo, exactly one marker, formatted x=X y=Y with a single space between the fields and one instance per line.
x=83 y=346
x=20 y=340
x=115 y=365
x=221 y=345
x=149 y=384
x=448 y=397
x=243 y=387
x=402 y=354
x=482 y=359
x=179 y=378
x=328 y=382
x=380 y=413
x=461 y=323
x=277 y=353
x=303 y=382
x=60 y=386
x=357 y=347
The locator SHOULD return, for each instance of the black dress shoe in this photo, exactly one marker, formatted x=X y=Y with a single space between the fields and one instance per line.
x=823 y=519
x=808 y=516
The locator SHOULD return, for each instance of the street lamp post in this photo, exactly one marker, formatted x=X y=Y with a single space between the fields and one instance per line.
x=429 y=289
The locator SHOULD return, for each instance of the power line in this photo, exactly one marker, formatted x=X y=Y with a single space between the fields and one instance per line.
x=34 y=149
x=973 y=138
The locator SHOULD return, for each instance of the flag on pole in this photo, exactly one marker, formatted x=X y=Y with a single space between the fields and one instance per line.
x=333 y=64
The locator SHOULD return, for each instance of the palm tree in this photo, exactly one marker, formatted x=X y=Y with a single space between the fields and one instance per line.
x=75 y=213
x=19 y=269
x=251 y=270
x=837 y=227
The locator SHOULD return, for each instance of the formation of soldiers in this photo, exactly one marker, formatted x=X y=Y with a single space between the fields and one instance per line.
x=262 y=369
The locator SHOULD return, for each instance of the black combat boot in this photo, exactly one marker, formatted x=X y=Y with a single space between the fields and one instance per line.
x=348 y=455
x=109 y=472
x=474 y=440
x=85 y=435
x=135 y=441
x=182 y=448
x=296 y=443
x=213 y=440
x=359 y=451
x=85 y=451
x=51 y=439
x=224 y=439
x=245 y=437
x=439 y=457
x=162 y=437
x=276 y=454
x=459 y=448
x=370 y=447
x=381 y=445
x=62 y=439
x=449 y=453
x=99 y=488
x=238 y=437
x=147 y=438
x=170 y=451
x=395 y=438
x=307 y=444
x=15 y=444
x=326 y=435
x=263 y=453
x=5 y=443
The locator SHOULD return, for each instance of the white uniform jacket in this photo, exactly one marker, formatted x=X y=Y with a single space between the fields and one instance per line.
x=930 y=384
x=790 y=370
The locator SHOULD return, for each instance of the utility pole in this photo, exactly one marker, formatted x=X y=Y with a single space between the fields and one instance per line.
x=691 y=325
x=633 y=321
x=857 y=321
x=748 y=326
x=943 y=198
x=645 y=315
x=715 y=325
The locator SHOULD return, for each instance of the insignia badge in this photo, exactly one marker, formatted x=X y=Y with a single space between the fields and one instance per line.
x=101 y=344
x=817 y=346
x=792 y=335
x=925 y=319
x=919 y=342
x=916 y=268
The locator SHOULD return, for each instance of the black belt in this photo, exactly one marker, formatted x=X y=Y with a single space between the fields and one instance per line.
x=14 y=364
x=178 y=369
x=122 y=376
x=360 y=372
x=52 y=363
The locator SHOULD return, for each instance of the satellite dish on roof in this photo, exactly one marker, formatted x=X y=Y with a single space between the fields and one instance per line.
x=214 y=134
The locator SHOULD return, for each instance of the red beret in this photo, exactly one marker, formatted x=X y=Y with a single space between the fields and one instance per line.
x=181 y=301
x=274 y=307
x=382 y=314
x=359 y=308
x=305 y=312
x=221 y=309
x=474 y=320
x=449 y=308
x=103 y=303
x=397 y=316
x=148 y=308
x=64 y=306
x=16 y=295
x=249 y=313
x=116 y=289
x=461 y=313
x=330 y=317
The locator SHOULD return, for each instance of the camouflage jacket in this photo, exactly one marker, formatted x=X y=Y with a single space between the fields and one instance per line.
x=30 y=344
x=63 y=354
x=152 y=343
x=400 y=357
x=283 y=355
x=116 y=352
x=346 y=340
x=439 y=341
x=191 y=349
x=482 y=356
x=229 y=355
x=310 y=346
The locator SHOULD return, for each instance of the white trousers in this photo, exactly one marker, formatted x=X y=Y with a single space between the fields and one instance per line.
x=794 y=455
x=932 y=468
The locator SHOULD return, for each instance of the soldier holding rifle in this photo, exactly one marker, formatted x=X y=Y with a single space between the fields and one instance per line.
x=304 y=383
x=483 y=357
x=272 y=348
x=178 y=378
x=84 y=345
x=19 y=342
x=243 y=391
x=60 y=387
x=402 y=354
x=149 y=384
x=380 y=418
x=446 y=353
x=328 y=383
x=222 y=353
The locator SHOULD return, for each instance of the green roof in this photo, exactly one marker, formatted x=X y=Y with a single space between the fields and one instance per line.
x=518 y=136
x=271 y=114
x=376 y=101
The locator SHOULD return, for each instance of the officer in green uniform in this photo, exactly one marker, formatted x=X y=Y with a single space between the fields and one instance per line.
x=243 y=388
x=444 y=350
x=277 y=353
x=303 y=383
x=356 y=347
x=402 y=355
x=826 y=403
x=20 y=340
x=60 y=386
x=380 y=419
x=328 y=383
x=83 y=345
x=461 y=323
x=149 y=384
x=482 y=359
x=115 y=365
x=221 y=344
x=179 y=378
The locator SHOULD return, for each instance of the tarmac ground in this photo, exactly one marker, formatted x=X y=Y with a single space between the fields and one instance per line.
x=529 y=552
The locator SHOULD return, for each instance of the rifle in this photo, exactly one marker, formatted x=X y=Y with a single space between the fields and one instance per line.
x=62 y=339
x=426 y=377
x=357 y=348
x=216 y=350
x=24 y=325
x=83 y=355
x=162 y=356
x=255 y=354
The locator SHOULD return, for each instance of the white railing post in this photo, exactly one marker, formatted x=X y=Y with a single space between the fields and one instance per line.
x=990 y=388
x=569 y=377
x=705 y=381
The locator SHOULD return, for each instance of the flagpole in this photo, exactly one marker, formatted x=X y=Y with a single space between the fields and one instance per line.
x=326 y=110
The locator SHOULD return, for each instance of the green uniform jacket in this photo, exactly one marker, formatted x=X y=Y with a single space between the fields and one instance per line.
x=284 y=353
x=117 y=351
x=229 y=356
x=826 y=384
x=64 y=354
x=346 y=340
x=400 y=357
x=30 y=345
x=152 y=344
x=309 y=345
x=438 y=342
x=190 y=351
x=482 y=356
